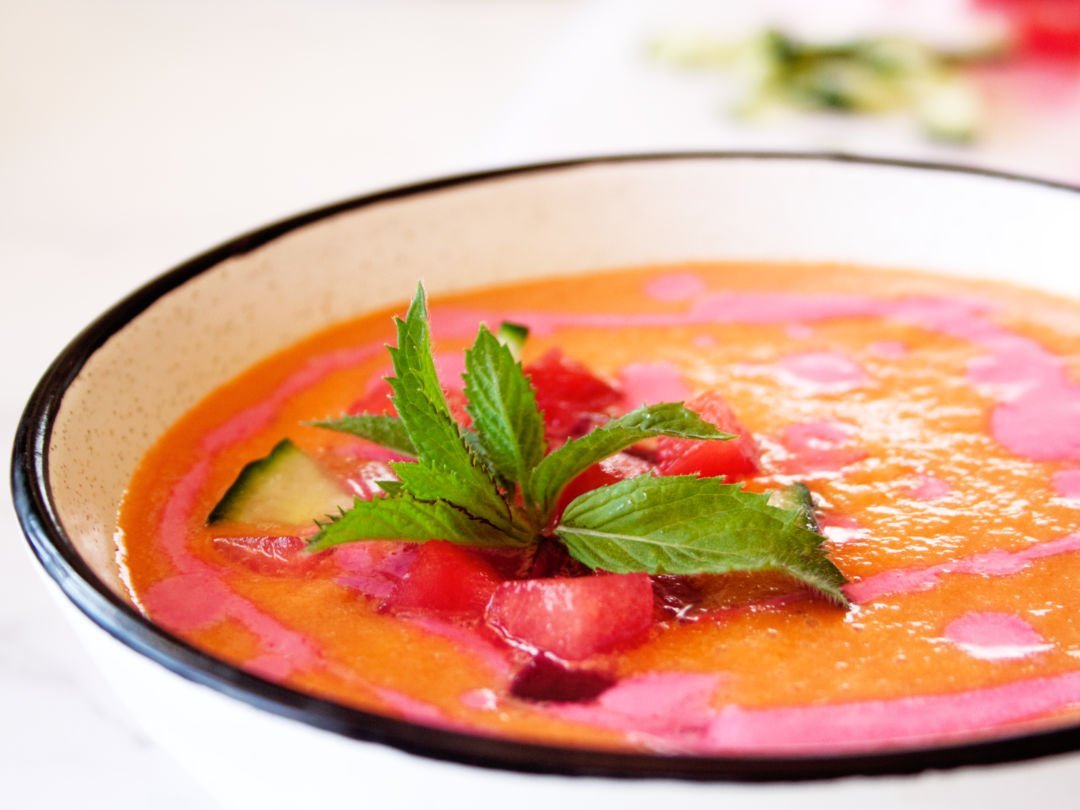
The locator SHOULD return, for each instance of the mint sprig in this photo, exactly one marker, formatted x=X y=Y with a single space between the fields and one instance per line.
x=403 y=517
x=502 y=404
x=687 y=525
x=495 y=484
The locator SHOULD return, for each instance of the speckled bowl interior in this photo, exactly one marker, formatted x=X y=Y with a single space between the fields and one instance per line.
x=148 y=361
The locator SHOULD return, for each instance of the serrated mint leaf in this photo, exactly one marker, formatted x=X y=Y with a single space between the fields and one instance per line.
x=403 y=517
x=690 y=525
x=382 y=429
x=428 y=483
x=413 y=360
x=502 y=404
x=456 y=474
x=390 y=487
x=561 y=466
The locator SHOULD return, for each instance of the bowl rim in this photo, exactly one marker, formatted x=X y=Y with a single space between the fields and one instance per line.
x=57 y=555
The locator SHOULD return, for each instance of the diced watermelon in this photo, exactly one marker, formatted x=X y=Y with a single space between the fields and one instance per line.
x=447 y=579
x=546 y=679
x=734 y=458
x=612 y=469
x=570 y=396
x=1042 y=28
x=266 y=554
x=677 y=597
x=573 y=619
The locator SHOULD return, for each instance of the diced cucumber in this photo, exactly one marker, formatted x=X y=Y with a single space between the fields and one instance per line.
x=513 y=335
x=284 y=488
x=949 y=109
x=797 y=498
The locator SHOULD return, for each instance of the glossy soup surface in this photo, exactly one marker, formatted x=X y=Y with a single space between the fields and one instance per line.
x=936 y=421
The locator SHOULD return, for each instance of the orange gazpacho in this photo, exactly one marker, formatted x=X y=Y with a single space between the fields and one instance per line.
x=927 y=427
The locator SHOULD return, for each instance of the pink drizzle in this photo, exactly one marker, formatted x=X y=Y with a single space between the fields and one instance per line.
x=188 y=601
x=989 y=563
x=1067 y=483
x=468 y=640
x=841 y=529
x=652 y=383
x=929 y=488
x=196 y=597
x=672 y=708
x=823 y=371
x=417 y=711
x=818 y=446
x=250 y=421
x=672 y=712
x=995 y=636
x=885 y=723
x=889 y=349
x=675 y=286
x=1038 y=410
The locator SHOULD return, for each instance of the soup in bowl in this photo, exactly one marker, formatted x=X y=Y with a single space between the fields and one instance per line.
x=852 y=549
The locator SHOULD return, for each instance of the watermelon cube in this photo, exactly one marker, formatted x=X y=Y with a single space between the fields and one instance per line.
x=571 y=397
x=734 y=459
x=444 y=578
x=573 y=618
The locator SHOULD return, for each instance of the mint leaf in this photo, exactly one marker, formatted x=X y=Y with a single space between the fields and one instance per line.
x=502 y=404
x=403 y=517
x=427 y=483
x=561 y=466
x=689 y=525
x=382 y=429
x=451 y=471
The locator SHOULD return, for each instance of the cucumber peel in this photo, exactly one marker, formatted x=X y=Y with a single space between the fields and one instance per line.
x=513 y=336
x=286 y=487
x=797 y=498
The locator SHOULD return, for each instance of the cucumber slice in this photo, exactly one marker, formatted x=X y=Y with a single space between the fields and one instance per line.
x=797 y=498
x=286 y=487
x=512 y=335
x=949 y=109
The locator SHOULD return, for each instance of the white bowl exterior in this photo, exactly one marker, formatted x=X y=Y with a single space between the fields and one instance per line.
x=510 y=228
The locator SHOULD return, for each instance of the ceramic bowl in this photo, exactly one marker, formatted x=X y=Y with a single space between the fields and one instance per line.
x=146 y=361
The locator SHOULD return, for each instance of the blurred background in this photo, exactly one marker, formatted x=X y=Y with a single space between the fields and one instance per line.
x=136 y=133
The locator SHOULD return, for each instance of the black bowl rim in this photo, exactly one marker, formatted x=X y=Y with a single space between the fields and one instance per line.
x=57 y=554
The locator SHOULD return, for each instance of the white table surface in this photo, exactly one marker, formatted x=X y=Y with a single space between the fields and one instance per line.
x=135 y=134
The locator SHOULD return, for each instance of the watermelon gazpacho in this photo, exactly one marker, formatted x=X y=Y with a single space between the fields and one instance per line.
x=720 y=509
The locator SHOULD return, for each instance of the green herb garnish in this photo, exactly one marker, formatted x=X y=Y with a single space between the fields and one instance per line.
x=873 y=75
x=496 y=484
